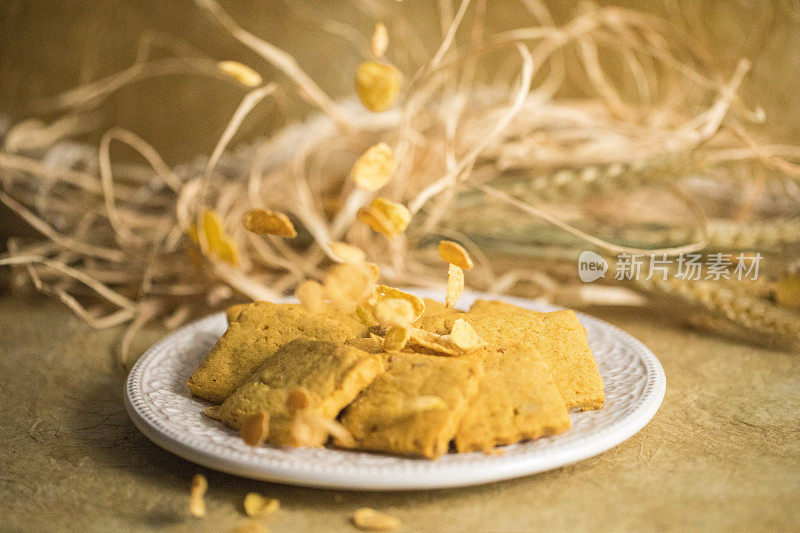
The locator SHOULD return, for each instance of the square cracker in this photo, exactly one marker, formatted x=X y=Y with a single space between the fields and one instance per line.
x=331 y=374
x=243 y=312
x=559 y=337
x=256 y=332
x=415 y=407
x=516 y=400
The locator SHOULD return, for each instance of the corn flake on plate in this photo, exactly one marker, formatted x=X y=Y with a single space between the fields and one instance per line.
x=161 y=406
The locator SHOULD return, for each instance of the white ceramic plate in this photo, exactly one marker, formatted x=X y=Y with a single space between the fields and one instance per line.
x=159 y=403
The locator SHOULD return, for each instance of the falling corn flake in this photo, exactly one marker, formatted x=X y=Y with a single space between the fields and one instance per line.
x=218 y=242
x=455 y=254
x=347 y=285
x=340 y=434
x=376 y=221
x=255 y=429
x=228 y=251
x=438 y=344
x=455 y=285
x=386 y=292
x=348 y=253
x=386 y=217
x=371 y=520
x=258 y=506
x=212 y=226
x=374 y=168
x=380 y=40
x=311 y=430
x=311 y=296
x=192 y=233
x=197 y=505
x=396 y=339
x=306 y=432
x=297 y=400
x=241 y=73
x=264 y=221
x=377 y=85
x=395 y=312
x=463 y=335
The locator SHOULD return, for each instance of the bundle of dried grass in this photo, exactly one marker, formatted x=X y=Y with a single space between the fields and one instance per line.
x=487 y=153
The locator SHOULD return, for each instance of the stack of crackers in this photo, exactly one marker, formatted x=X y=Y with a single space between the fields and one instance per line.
x=413 y=380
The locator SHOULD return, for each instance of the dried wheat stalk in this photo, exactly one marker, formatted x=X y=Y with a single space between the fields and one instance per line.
x=480 y=128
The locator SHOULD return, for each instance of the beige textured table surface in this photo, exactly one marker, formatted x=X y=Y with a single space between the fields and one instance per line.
x=722 y=453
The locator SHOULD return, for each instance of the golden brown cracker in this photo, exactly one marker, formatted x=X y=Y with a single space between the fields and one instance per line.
x=255 y=334
x=330 y=375
x=517 y=400
x=558 y=335
x=394 y=414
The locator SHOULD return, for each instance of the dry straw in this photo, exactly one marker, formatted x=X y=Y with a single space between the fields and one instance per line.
x=486 y=150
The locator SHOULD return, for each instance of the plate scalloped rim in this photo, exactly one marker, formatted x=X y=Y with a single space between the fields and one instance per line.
x=159 y=403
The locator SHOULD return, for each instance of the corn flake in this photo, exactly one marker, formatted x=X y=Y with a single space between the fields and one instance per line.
x=241 y=73
x=439 y=344
x=305 y=432
x=463 y=335
x=255 y=428
x=455 y=285
x=396 y=339
x=377 y=85
x=228 y=251
x=371 y=520
x=386 y=217
x=311 y=296
x=309 y=429
x=219 y=243
x=380 y=40
x=264 y=221
x=395 y=312
x=348 y=253
x=386 y=292
x=374 y=168
x=212 y=227
x=347 y=285
x=455 y=254
x=258 y=506
x=297 y=400
x=197 y=505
